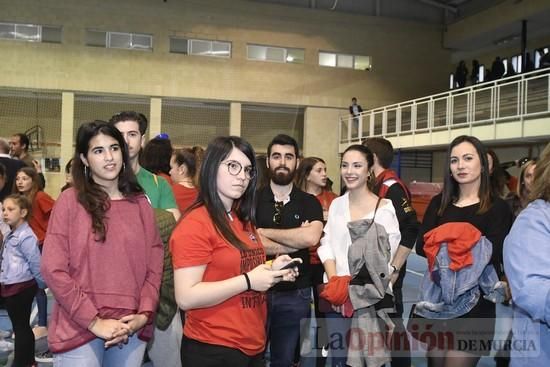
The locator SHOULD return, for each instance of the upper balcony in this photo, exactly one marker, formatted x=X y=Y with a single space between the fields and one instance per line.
x=506 y=109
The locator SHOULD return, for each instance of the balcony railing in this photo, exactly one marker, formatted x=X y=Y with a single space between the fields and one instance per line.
x=519 y=97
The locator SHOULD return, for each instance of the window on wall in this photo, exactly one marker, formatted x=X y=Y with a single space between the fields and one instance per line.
x=200 y=47
x=129 y=41
x=30 y=32
x=275 y=54
x=347 y=61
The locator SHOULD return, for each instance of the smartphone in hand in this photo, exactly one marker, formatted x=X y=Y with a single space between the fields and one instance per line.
x=291 y=264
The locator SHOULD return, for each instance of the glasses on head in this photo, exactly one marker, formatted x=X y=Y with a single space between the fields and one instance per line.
x=277 y=216
x=234 y=168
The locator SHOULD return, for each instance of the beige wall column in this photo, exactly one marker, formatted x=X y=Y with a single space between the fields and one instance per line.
x=67 y=128
x=155 y=116
x=321 y=139
x=235 y=119
x=54 y=180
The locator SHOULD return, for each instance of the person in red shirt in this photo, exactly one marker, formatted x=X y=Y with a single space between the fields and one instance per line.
x=311 y=177
x=183 y=168
x=219 y=263
x=27 y=182
x=103 y=258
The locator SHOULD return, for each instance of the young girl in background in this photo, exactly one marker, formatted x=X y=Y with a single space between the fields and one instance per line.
x=27 y=183
x=20 y=276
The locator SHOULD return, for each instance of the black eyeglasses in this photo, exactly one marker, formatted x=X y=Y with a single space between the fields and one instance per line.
x=277 y=217
x=234 y=168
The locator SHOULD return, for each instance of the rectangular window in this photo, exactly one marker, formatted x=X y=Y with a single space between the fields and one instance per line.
x=200 y=47
x=327 y=59
x=178 y=45
x=275 y=54
x=96 y=38
x=128 y=41
x=30 y=32
x=347 y=61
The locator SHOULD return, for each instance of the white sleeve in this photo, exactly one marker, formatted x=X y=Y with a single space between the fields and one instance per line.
x=326 y=251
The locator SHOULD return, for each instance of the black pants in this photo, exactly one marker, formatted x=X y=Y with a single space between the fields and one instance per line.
x=19 y=310
x=198 y=354
x=400 y=353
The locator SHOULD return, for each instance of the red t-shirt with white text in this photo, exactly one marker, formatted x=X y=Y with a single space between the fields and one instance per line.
x=238 y=322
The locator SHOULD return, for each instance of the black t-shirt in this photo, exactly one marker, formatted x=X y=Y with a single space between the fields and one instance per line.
x=494 y=224
x=301 y=207
x=405 y=213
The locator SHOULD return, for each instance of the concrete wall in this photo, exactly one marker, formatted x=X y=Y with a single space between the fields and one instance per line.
x=408 y=60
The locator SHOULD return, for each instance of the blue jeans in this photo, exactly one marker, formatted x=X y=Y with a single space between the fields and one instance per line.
x=42 y=304
x=94 y=354
x=286 y=309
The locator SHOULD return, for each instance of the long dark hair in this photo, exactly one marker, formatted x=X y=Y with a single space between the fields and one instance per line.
x=245 y=208
x=451 y=190
x=91 y=195
x=31 y=172
x=304 y=169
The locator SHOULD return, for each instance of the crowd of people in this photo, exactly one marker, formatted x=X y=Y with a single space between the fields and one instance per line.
x=192 y=257
x=462 y=76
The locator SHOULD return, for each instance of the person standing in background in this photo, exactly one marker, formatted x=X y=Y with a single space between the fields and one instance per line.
x=311 y=177
x=11 y=166
x=355 y=111
x=183 y=169
x=27 y=182
x=389 y=186
x=133 y=127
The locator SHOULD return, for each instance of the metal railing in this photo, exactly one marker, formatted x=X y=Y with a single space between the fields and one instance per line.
x=518 y=97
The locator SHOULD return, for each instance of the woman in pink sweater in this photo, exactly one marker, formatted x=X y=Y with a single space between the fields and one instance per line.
x=102 y=258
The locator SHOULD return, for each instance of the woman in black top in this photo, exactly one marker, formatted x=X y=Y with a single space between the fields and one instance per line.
x=467 y=197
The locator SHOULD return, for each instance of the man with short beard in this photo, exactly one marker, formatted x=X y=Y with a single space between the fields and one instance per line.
x=289 y=221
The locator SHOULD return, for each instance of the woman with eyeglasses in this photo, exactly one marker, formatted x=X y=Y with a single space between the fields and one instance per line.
x=220 y=272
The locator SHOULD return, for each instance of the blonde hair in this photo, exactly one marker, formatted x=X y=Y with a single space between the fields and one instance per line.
x=541 y=183
x=520 y=190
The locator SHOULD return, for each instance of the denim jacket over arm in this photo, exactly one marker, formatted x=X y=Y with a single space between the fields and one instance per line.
x=448 y=294
x=20 y=257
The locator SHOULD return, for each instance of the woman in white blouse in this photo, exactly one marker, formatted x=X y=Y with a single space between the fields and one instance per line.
x=356 y=204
